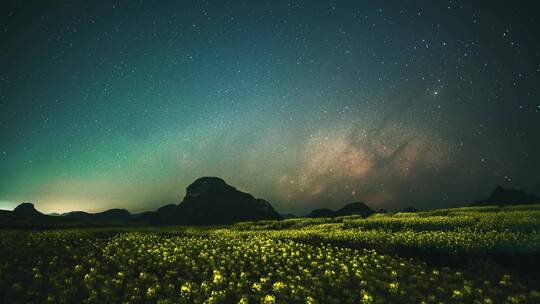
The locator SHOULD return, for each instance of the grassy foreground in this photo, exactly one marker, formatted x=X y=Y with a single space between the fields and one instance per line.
x=463 y=255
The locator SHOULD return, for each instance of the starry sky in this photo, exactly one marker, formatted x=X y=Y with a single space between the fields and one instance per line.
x=307 y=104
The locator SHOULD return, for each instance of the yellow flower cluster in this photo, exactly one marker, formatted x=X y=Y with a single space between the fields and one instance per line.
x=341 y=260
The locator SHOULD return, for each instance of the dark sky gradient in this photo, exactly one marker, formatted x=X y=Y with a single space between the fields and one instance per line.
x=305 y=104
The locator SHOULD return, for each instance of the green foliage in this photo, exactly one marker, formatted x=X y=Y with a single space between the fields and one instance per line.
x=339 y=260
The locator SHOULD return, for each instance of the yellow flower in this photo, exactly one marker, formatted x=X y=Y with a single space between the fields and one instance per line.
x=257 y=286
x=269 y=299
x=186 y=288
x=366 y=297
x=393 y=287
x=151 y=292
x=457 y=294
x=278 y=286
x=218 y=278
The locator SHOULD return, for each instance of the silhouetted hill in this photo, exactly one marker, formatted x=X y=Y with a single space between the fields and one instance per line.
x=166 y=215
x=505 y=197
x=211 y=201
x=80 y=215
x=323 y=212
x=409 y=209
x=356 y=208
x=114 y=215
x=26 y=216
x=108 y=215
x=288 y=215
x=359 y=208
x=27 y=209
x=12 y=219
x=149 y=217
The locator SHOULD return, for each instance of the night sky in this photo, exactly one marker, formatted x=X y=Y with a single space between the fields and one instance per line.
x=305 y=104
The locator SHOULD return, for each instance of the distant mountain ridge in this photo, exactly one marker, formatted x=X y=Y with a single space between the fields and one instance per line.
x=107 y=215
x=211 y=201
x=506 y=197
x=208 y=201
x=356 y=208
x=26 y=216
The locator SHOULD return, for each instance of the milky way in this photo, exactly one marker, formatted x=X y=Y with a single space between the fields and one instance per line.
x=306 y=104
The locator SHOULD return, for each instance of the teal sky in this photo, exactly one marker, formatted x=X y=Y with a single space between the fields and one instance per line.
x=304 y=104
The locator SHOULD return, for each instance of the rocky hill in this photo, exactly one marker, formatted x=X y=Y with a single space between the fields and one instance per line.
x=504 y=197
x=26 y=209
x=211 y=201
